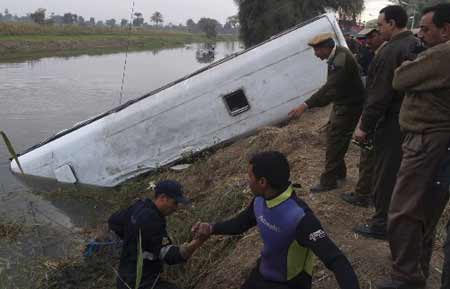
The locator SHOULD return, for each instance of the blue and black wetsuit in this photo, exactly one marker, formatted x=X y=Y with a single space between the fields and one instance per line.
x=292 y=236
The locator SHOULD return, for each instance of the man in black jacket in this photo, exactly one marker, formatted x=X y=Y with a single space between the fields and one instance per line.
x=144 y=223
x=381 y=113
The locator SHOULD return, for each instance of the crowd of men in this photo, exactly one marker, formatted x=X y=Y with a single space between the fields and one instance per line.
x=401 y=119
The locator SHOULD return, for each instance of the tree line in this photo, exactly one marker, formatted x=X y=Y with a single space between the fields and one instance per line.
x=261 y=19
x=415 y=7
x=210 y=26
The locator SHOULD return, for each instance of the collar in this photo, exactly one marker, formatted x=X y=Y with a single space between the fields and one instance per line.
x=152 y=205
x=381 y=47
x=401 y=35
x=280 y=198
x=332 y=54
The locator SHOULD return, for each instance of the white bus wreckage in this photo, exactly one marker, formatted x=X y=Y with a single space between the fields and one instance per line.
x=227 y=99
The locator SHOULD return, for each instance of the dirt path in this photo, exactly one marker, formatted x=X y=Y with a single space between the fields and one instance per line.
x=303 y=142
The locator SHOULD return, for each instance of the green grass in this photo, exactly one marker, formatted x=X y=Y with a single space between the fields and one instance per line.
x=17 y=29
x=20 y=42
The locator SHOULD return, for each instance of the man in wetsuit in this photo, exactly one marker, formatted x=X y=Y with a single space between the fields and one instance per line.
x=291 y=233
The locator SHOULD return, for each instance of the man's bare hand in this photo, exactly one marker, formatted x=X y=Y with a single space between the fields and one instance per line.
x=298 y=111
x=360 y=135
x=202 y=231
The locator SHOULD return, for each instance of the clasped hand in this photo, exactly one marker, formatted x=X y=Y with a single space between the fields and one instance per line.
x=202 y=231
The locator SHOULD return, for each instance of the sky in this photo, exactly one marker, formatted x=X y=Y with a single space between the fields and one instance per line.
x=372 y=10
x=173 y=11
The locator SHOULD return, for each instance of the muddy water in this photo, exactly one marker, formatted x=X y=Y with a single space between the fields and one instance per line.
x=40 y=98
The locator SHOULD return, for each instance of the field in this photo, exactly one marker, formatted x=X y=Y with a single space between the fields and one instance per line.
x=30 y=41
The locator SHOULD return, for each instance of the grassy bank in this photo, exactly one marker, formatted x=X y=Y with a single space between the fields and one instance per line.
x=217 y=184
x=29 y=41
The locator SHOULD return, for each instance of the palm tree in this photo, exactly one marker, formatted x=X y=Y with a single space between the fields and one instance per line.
x=157 y=18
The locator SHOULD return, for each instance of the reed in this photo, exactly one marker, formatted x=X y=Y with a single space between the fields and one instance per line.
x=11 y=149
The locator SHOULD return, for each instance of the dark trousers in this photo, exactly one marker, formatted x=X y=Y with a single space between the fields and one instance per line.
x=446 y=269
x=343 y=120
x=366 y=164
x=388 y=155
x=419 y=198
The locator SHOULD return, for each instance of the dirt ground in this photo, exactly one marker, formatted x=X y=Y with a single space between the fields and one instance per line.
x=217 y=183
x=303 y=142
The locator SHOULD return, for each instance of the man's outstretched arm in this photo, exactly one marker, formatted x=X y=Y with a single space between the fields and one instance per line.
x=235 y=226
x=310 y=234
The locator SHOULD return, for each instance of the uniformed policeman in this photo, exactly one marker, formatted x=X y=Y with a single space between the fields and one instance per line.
x=344 y=88
x=362 y=196
x=291 y=233
x=145 y=220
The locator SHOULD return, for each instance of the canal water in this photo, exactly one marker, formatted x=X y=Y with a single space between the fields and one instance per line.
x=41 y=97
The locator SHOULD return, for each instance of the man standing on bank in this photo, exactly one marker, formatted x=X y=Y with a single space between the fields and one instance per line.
x=422 y=189
x=362 y=196
x=145 y=222
x=345 y=89
x=290 y=231
x=381 y=112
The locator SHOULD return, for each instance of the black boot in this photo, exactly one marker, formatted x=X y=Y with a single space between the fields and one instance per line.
x=319 y=188
x=370 y=231
x=356 y=200
x=395 y=284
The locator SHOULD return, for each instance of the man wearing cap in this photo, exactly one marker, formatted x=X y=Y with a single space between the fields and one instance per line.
x=352 y=43
x=344 y=88
x=291 y=233
x=144 y=223
x=362 y=194
x=373 y=42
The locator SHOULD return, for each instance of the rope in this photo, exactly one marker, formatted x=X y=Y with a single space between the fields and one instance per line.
x=130 y=26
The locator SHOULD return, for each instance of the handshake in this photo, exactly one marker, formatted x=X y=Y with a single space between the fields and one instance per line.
x=202 y=231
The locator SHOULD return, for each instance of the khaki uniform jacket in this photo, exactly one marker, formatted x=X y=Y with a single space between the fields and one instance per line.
x=344 y=85
x=426 y=80
x=382 y=99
